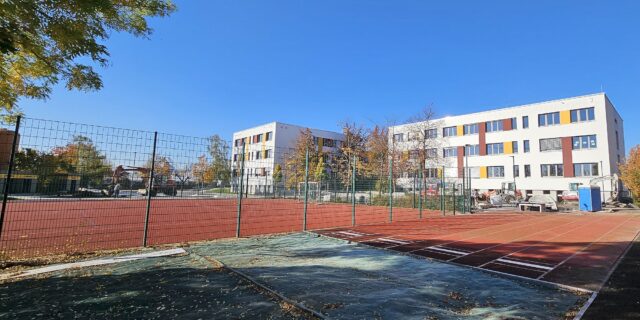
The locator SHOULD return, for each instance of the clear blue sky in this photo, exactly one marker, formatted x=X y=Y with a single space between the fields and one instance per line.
x=218 y=66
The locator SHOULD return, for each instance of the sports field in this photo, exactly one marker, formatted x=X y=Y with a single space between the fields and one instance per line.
x=42 y=227
x=568 y=249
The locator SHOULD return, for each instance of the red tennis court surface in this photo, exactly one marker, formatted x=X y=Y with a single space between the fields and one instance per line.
x=43 y=227
x=574 y=250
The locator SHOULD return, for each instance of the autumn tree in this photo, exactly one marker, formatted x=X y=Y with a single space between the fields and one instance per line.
x=377 y=156
x=219 y=168
x=295 y=161
x=630 y=172
x=82 y=157
x=45 y=42
x=45 y=165
x=353 y=147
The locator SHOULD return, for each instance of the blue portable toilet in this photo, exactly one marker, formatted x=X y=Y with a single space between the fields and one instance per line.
x=589 y=198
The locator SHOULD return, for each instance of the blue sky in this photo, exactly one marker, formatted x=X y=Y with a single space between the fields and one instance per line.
x=218 y=66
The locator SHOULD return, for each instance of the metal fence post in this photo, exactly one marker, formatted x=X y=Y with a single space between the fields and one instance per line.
x=240 y=187
x=353 y=192
x=454 y=198
x=7 y=181
x=420 y=191
x=413 y=200
x=306 y=189
x=391 y=189
x=150 y=190
x=464 y=189
x=444 y=192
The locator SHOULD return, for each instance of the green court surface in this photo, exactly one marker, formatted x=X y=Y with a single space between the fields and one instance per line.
x=331 y=277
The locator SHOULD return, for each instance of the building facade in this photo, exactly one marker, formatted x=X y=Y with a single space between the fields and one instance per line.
x=268 y=145
x=547 y=147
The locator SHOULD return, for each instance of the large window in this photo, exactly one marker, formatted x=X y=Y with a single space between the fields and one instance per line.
x=470 y=129
x=516 y=170
x=527 y=170
x=269 y=136
x=514 y=123
x=432 y=153
x=525 y=146
x=495 y=125
x=258 y=155
x=495 y=172
x=431 y=133
x=495 y=148
x=584 y=142
x=548 y=119
x=449 y=132
x=525 y=122
x=551 y=170
x=472 y=150
x=585 y=169
x=398 y=137
x=550 y=144
x=450 y=152
x=514 y=145
x=582 y=115
x=268 y=153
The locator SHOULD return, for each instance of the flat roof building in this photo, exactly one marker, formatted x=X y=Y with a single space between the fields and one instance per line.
x=544 y=147
x=267 y=145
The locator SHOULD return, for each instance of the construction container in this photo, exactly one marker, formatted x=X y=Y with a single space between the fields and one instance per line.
x=589 y=198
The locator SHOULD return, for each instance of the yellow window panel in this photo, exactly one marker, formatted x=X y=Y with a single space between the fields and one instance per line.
x=439 y=172
x=460 y=130
x=508 y=147
x=483 y=172
x=565 y=117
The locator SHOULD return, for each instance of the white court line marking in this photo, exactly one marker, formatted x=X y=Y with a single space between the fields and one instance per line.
x=461 y=253
x=400 y=242
x=585 y=248
x=353 y=234
x=98 y=262
x=526 y=264
x=539 y=243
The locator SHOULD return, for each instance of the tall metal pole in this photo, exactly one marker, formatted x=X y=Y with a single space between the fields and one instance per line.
x=391 y=189
x=7 y=181
x=444 y=192
x=306 y=189
x=603 y=200
x=150 y=190
x=240 y=187
x=420 y=190
x=513 y=167
x=353 y=192
x=467 y=198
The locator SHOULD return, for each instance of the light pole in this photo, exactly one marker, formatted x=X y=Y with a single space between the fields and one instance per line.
x=467 y=176
x=602 y=175
x=513 y=167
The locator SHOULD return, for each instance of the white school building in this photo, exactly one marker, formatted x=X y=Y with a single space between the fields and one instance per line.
x=545 y=147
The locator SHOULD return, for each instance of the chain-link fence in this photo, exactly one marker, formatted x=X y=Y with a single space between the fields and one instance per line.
x=71 y=187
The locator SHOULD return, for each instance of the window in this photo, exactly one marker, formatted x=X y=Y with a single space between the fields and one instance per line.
x=470 y=129
x=398 y=137
x=495 y=125
x=257 y=138
x=514 y=146
x=516 y=170
x=472 y=150
x=450 y=152
x=235 y=157
x=431 y=172
x=414 y=154
x=268 y=136
x=582 y=115
x=449 y=132
x=495 y=148
x=239 y=142
x=548 y=119
x=527 y=170
x=514 y=123
x=330 y=143
x=525 y=122
x=525 y=144
x=495 y=172
x=551 y=170
x=268 y=153
x=432 y=153
x=550 y=144
x=617 y=141
x=431 y=133
x=585 y=169
x=584 y=142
